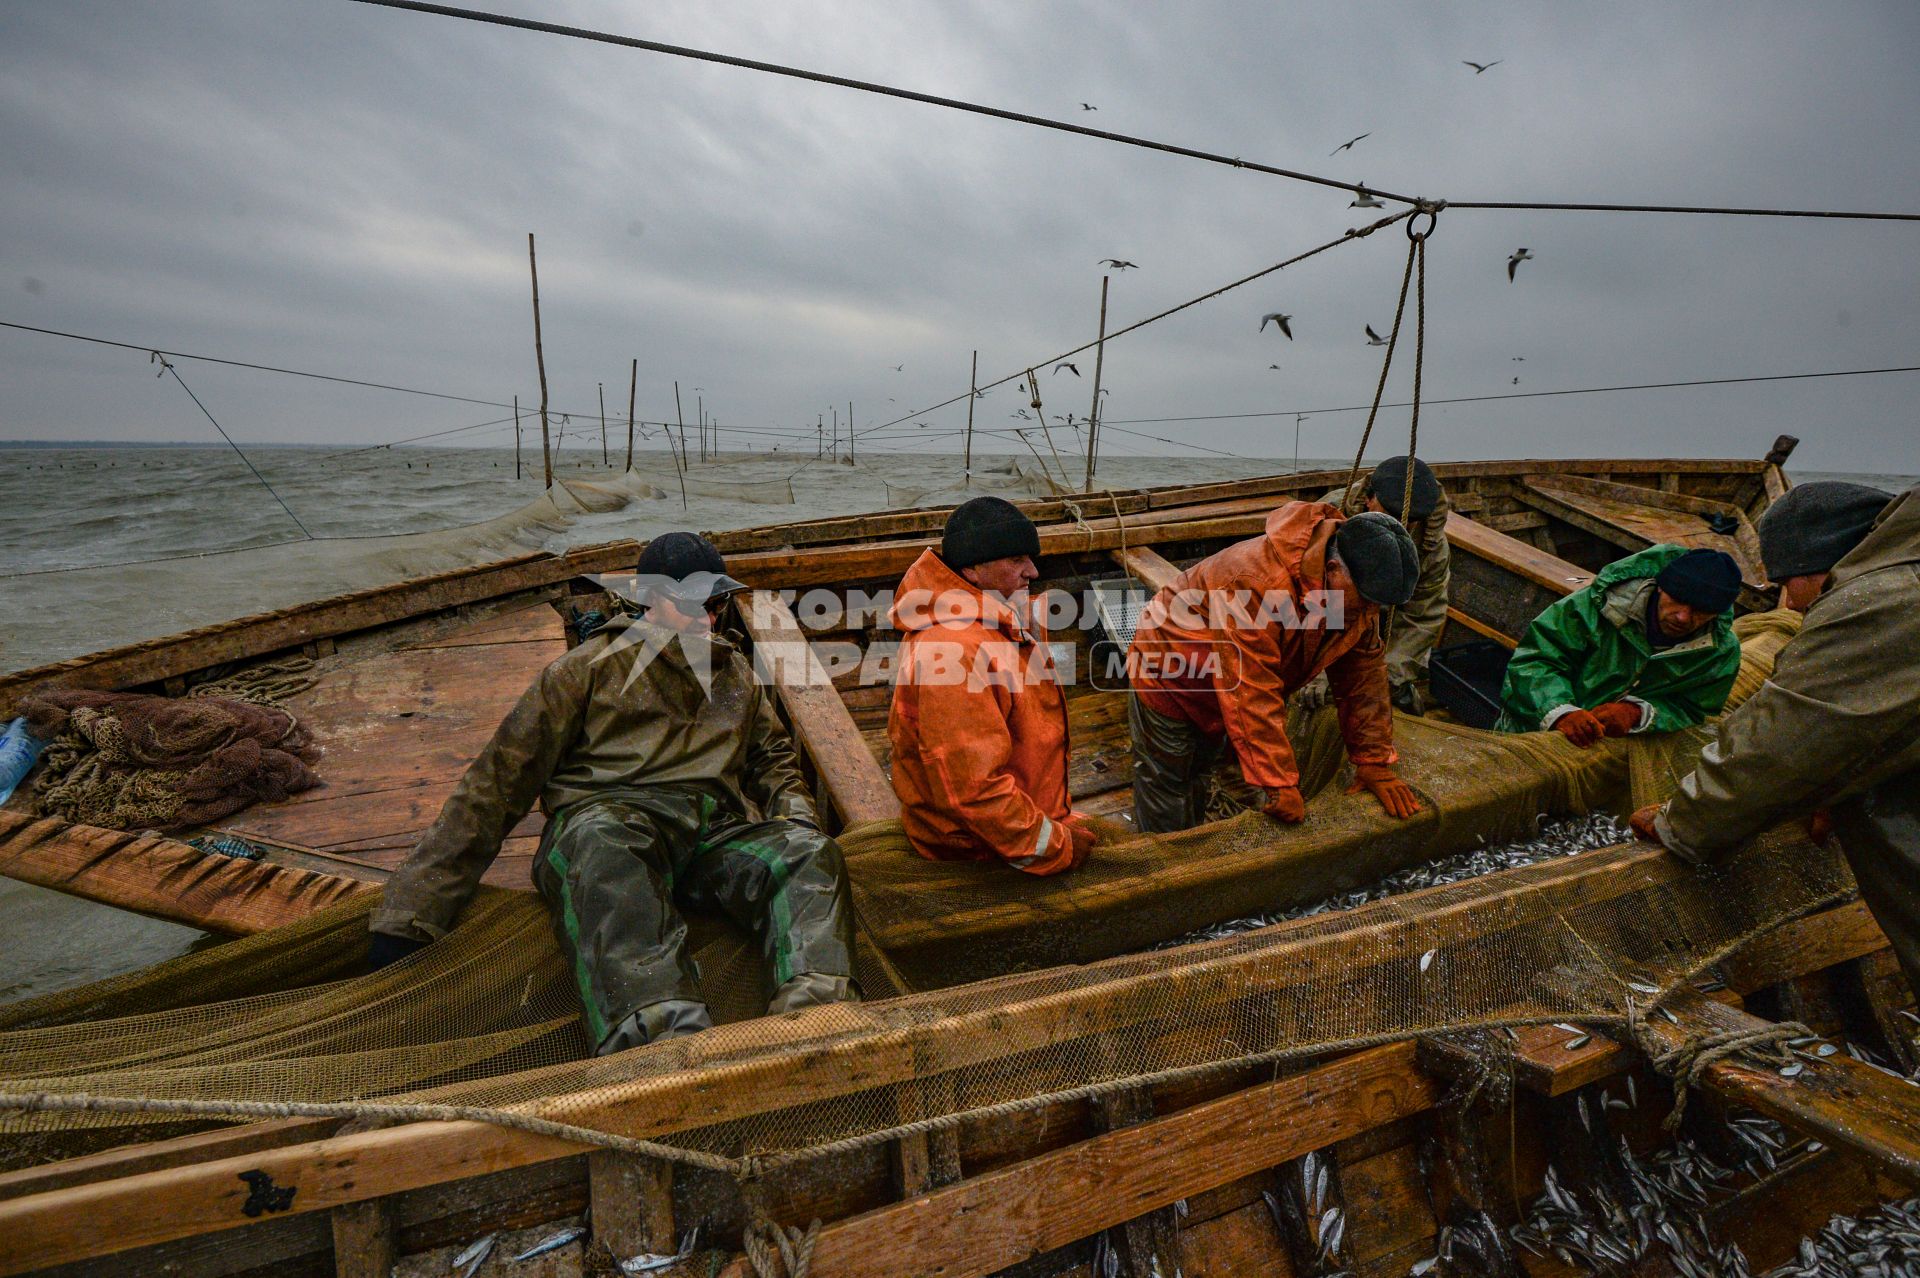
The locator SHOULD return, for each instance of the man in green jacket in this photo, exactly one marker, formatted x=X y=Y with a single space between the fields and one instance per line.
x=1413 y=629
x=1647 y=646
x=665 y=776
x=1837 y=726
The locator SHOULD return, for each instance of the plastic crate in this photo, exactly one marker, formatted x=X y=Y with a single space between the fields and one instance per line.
x=1466 y=680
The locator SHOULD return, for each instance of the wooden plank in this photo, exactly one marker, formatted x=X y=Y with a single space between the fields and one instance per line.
x=1836 y=1099
x=632 y=1202
x=1811 y=944
x=1526 y=562
x=1635 y=518
x=163 y=878
x=1145 y=563
x=1147 y=1245
x=1482 y=629
x=992 y=1221
x=853 y=782
x=363 y=1239
x=180 y=1151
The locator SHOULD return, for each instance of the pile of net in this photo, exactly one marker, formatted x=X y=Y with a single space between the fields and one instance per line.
x=485 y=1024
x=131 y=762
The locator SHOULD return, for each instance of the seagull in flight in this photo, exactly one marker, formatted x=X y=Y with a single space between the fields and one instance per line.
x=1274 y=367
x=1119 y=264
x=1519 y=359
x=1513 y=263
x=1478 y=67
x=1348 y=144
x=1366 y=200
x=897 y=367
x=1275 y=317
x=1069 y=367
x=1373 y=338
x=1088 y=106
x=1022 y=414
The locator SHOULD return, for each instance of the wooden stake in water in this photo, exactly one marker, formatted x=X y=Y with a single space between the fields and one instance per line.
x=700 y=423
x=1093 y=414
x=680 y=416
x=633 y=387
x=973 y=393
x=849 y=432
x=516 y=437
x=540 y=358
x=604 y=459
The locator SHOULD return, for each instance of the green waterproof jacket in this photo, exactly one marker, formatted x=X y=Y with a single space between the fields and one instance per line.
x=632 y=707
x=1591 y=648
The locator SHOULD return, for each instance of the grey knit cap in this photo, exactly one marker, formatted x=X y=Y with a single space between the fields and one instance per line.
x=1817 y=525
x=1379 y=555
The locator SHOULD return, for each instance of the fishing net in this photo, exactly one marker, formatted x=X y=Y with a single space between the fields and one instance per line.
x=994 y=479
x=484 y=1024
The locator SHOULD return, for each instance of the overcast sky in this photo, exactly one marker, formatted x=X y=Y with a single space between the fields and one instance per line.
x=348 y=189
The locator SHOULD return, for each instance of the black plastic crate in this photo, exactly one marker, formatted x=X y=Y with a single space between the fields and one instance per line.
x=1466 y=680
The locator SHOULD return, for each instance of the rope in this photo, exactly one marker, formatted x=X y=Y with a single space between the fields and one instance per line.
x=1687 y=1060
x=1419 y=354
x=264 y=685
x=774 y=1252
x=167 y=367
x=1386 y=364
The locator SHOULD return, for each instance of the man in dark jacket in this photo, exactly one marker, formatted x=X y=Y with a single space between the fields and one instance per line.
x=1837 y=727
x=665 y=776
x=1648 y=646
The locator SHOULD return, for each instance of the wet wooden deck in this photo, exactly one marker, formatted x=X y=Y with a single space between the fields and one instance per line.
x=398 y=730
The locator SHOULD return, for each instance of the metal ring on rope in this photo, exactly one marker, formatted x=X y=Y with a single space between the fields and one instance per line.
x=1431 y=211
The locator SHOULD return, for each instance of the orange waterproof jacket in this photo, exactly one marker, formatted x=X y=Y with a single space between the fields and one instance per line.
x=1213 y=647
x=979 y=726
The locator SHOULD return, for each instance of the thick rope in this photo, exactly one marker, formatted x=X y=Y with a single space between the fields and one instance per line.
x=1419 y=359
x=1687 y=1060
x=1380 y=390
x=774 y=1252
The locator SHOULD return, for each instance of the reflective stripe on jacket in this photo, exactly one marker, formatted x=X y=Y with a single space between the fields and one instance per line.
x=978 y=726
x=1216 y=649
x=1592 y=647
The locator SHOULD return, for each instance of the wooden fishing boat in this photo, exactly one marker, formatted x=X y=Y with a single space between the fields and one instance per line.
x=1369 y=1160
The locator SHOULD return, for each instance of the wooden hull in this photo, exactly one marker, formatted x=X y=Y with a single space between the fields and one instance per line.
x=1174 y=1175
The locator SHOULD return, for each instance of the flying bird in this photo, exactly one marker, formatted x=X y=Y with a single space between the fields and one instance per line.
x=897 y=367
x=1478 y=67
x=1373 y=338
x=1513 y=263
x=1069 y=367
x=1516 y=381
x=1275 y=317
x=1274 y=366
x=1119 y=264
x=1366 y=200
x=1519 y=359
x=1021 y=413
x=1348 y=144
x=1088 y=106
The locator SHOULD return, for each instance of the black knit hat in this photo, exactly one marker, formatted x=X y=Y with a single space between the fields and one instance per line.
x=987 y=528
x=1817 y=525
x=1389 y=483
x=1705 y=579
x=687 y=568
x=1379 y=556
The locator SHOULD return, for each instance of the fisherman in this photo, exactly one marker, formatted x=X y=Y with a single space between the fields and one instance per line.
x=1647 y=646
x=979 y=724
x=666 y=779
x=1222 y=647
x=1835 y=731
x=1414 y=627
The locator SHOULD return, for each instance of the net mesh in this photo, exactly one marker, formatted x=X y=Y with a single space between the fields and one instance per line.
x=484 y=1023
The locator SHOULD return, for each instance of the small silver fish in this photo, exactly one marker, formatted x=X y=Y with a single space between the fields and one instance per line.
x=552 y=1242
x=1789 y=1071
x=1426 y=960
x=1825 y=1050
x=1575 y=1044
x=470 y=1260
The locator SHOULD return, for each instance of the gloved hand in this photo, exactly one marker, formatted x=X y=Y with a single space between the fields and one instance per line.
x=1617 y=718
x=1642 y=822
x=385 y=948
x=1579 y=727
x=1820 y=825
x=1395 y=795
x=1085 y=840
x=1285 y=805
x=1311 y=695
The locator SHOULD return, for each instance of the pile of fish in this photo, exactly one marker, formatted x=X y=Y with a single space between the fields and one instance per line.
x=1566 y=837
x=1884 y=1243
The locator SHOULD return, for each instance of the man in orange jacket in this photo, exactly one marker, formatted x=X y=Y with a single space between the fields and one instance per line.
x=979 y=725
x=1221 y=647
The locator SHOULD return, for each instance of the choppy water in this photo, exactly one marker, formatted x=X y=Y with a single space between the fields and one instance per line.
x=100 y=547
